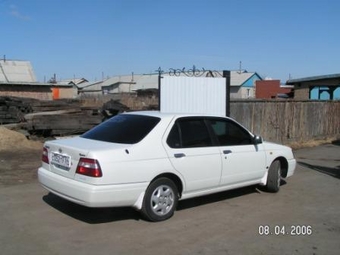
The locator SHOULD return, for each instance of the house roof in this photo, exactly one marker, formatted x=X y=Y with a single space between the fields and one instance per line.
x=315 y=79
x=238 y=78
x=117 y=79
x=92 y=84
x=97 y=86
x=150 y=81
x=16 y=71
x=75 y=81
x=146 y=81
x=38 y=84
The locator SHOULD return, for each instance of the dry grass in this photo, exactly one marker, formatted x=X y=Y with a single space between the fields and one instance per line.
x=12 y=140
x=311 y=143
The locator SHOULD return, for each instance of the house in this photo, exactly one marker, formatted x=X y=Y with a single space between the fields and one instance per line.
x=90 y=88
x=74 y=81
x=17 y=79
x=120 y=84
x=323 y=87
x=266 y=89
x=242 y=83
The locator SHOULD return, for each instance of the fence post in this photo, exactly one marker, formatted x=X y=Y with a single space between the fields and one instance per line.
x=226 y=75
x=159 y=87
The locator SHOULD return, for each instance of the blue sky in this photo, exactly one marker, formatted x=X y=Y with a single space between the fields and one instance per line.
x=92 y=38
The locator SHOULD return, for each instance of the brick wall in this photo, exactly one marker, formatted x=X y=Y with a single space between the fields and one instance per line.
x=37 y=92
x=301 y=92
x=267 y=89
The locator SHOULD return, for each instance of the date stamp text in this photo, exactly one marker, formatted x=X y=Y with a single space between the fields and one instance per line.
x=294 y=230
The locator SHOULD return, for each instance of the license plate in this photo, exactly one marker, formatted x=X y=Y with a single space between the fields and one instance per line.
x=60 y=160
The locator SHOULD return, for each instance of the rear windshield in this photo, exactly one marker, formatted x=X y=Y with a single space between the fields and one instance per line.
x=123 y=128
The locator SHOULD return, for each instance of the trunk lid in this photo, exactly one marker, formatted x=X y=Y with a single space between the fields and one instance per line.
x=64 y=154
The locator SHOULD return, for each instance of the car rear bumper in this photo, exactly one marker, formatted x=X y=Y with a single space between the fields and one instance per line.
x=91 y=195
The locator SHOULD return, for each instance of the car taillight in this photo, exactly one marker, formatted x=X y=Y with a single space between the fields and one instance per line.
x=44 y=156
x=89 y=167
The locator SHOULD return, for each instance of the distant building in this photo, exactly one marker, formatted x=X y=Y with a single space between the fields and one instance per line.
x=74 y=81
x=120 y=84
x=266 y=89
x=17 y=79
x=323 y=87
x=16 y=72
x=242 y=84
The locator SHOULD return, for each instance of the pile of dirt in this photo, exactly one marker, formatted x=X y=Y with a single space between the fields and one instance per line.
x=12 y=140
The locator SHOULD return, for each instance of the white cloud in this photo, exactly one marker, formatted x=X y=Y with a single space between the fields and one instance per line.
x=14 y=12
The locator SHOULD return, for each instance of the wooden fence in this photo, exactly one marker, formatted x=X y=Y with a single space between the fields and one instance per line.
x=283 y=121
x=289 y=122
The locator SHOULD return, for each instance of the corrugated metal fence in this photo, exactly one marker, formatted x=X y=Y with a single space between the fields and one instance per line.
x=289 y=121
x=193 y=94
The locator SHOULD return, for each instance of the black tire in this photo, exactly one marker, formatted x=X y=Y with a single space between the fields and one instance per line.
x=160 y=200
x=274 y=177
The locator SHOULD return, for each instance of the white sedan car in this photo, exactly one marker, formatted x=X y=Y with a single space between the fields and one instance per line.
x=150 y=160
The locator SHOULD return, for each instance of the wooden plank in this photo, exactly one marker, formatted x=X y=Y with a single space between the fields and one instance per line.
x=58 y=112
x=62 y=124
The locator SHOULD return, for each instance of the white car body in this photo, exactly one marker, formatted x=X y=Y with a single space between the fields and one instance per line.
x=128 y=169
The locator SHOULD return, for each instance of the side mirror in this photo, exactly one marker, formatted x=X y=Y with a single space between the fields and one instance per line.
x=257 y=139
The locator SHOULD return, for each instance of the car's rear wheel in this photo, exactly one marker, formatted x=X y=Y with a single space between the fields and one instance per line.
x=274 y=177
x=160 y=200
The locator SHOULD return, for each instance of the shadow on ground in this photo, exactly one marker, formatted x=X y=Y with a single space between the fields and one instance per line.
x=334 y=172
x=217 y=197
x=105 y=215
x=90 y=215
x=336 y=142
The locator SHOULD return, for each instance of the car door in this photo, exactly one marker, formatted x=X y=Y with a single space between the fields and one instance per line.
x=242 y=160
x=190 y=149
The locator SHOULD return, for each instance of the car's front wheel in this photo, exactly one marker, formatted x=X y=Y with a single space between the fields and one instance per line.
x=274 y=177
x=160 y=200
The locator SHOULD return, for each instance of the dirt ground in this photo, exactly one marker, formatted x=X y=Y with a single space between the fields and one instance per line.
x=19 y=158
x=33 y=221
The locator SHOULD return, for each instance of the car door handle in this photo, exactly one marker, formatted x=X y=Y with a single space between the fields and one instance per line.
x=179 y=155
x=227 y=151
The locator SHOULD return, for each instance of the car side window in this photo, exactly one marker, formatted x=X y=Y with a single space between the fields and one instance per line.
x=174 y=140
x=230 y=133
x=189 y=133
